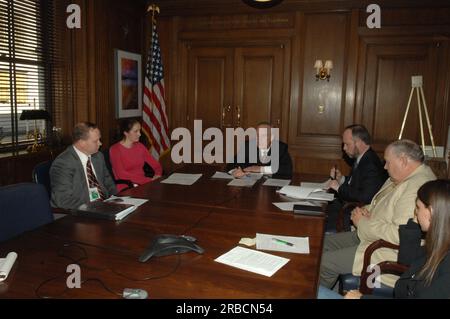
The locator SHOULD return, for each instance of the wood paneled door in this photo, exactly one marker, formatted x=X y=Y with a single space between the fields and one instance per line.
x=236 y=86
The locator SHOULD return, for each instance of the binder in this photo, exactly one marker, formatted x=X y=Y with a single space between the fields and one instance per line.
x=105 y=210
x=309 y=210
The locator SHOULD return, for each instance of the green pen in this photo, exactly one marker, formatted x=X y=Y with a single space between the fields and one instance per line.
x=282 y=242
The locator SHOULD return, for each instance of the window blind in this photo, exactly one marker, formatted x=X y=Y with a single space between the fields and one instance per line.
x=27 y=55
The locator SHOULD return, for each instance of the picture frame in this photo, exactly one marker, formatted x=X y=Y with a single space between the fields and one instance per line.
x=128 y=83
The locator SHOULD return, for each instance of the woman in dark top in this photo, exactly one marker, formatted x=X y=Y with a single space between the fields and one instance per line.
x=429 y=275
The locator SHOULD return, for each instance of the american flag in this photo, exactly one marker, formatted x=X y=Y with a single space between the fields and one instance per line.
x=154 y=116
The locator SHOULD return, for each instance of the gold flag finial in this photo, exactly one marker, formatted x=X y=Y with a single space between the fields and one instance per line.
x=153 y=8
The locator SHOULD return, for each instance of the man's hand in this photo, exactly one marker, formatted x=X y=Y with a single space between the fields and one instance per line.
x=359 y=213
x=238 y=173
x=353 y=294
x=253 y=169
x=335 y=174
x=334 y=184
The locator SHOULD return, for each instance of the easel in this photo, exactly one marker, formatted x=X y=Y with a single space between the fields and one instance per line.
x=416 y=85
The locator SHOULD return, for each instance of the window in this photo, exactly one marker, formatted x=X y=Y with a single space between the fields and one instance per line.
x=26 y=58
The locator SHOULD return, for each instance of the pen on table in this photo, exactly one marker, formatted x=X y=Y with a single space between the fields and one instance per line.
x=282 y=242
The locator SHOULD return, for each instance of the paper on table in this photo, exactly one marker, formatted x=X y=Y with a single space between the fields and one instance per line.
x=242 y=182
x=222 y=175
x=316 y=186
x=182 y=179
x=252 y=260
x=275 y=242
x=277 y=182
x=301 y=192
x=127 y=200
x=6 y=265
x=289 y=206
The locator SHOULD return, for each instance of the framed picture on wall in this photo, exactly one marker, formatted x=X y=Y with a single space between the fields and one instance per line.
x=128 y=82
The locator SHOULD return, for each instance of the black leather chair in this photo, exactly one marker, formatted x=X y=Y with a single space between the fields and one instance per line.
x=25 y=207
x=109 y=167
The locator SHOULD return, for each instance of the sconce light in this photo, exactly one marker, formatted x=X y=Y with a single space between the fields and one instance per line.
x=323 y=71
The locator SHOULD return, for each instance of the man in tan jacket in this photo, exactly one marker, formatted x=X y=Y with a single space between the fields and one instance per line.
x=392 y=206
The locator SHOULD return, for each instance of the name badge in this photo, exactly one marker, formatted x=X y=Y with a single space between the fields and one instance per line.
x=93 y=194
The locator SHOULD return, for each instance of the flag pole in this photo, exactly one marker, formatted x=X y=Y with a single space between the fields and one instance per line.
x=154 y=9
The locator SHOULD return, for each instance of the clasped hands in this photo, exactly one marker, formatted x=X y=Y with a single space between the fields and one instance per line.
x=239 y=172
x=358 y=213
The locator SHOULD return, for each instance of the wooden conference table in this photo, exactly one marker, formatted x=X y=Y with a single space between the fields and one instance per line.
x=216 y=214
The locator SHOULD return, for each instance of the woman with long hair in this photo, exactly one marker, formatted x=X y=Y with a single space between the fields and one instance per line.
x=128 y=156
x=429 y=275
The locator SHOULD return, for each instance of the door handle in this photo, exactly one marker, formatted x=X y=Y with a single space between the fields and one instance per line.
x=238 y=109
x=224 y=111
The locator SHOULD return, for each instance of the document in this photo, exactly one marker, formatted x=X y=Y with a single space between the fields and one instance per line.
x=127 y=200
x=6 y=265
x=277 y=182
x=290 y=244
x=321 y=186
x=182 y=179
x=222 y=175
x=289 y=206
x=242 y=182
x=253 y=260
x=302 y=192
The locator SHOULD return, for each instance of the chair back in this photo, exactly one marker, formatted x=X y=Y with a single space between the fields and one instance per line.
x=24 y=207
x=41 y=175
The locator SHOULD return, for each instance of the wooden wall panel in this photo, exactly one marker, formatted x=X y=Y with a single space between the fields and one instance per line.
x=325 y=39
x=385 y=87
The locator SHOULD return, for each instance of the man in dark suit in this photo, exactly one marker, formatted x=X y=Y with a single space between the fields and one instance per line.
x=365 y=179
x=79 y=174
x=262 y=160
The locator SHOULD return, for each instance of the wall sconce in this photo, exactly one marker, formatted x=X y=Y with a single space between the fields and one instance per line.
x=323 y=71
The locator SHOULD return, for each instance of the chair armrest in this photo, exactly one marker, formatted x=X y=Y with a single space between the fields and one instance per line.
x=341 y=214
x=391 y=267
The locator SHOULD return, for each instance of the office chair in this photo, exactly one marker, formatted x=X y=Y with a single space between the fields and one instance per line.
x=41 y=175
x=110 y=170
x=25 y=206
x=349 y=282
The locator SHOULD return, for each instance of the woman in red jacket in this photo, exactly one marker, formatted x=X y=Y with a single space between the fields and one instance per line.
x=129 y=156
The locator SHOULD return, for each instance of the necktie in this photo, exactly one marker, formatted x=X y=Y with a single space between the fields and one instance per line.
x=93 y=182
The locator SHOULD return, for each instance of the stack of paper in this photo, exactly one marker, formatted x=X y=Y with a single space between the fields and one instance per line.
x=242 y=182
x=182 y=179
x=302 y=192
x=252 y=260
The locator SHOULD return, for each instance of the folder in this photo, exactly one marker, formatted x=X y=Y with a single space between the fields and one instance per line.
x=105 y=210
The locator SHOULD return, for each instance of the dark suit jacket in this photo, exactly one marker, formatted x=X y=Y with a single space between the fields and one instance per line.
x=68 y=179
x=364 y=181
x=409 y=285
x=284 y=160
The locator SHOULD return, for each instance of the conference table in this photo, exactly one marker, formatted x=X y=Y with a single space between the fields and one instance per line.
x=217 y=215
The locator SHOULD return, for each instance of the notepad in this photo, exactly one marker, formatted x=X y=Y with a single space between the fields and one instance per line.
x=222 y=175
x=298 y=245
x=253 y=260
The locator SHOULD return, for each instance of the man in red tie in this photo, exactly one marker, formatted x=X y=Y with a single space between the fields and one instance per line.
x=79 y=175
